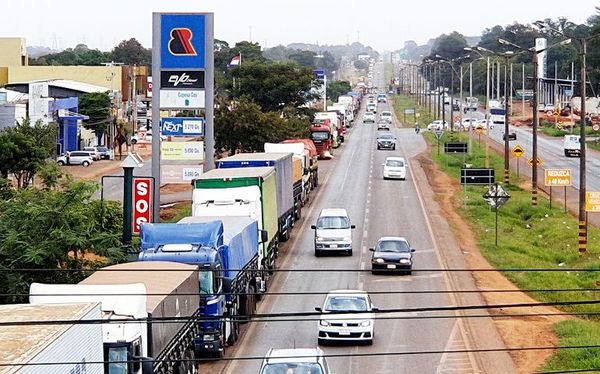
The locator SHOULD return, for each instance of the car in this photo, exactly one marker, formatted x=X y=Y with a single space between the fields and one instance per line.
x=93 y=152
x=468 y=123
x=147 y=137
x=333 y=232
x=392 y=253
x=381 y=98
x=386 y=115
x=394 y=167
x=298 y=360
x=369 y=117
x=383 y=125
x=386 y=141
x=104 y=152
x=82 y=158
x=345 y=325
x=437 y=125
x=483 y=123
x=372 y=107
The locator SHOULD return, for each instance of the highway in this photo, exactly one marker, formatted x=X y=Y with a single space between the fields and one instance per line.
x=353 y=180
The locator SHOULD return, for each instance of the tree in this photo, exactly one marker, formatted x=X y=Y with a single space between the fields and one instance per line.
x=24 y=149
x=450 y=46
x=273 y=86
x=97 y=106
x=361 y=64
x=250 y=51
x=304 y=58
x=131 y=52
x=80 y=55
x=52 y=229
x=337 y=88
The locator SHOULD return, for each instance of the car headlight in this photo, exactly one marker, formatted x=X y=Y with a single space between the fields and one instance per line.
x=404 y=261
x=365 y=323
x=320 y=238
x=379 y=260
x=323 y=323
x=208 y=337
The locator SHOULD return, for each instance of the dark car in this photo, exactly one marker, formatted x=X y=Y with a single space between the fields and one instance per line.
x=386 y=141
x=392 y=254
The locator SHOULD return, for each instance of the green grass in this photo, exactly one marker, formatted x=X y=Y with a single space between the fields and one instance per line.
x=594 y=144
x=549 y=243
x=402 y=102
x=388 y=71
x=177 y=212
x=550 y=129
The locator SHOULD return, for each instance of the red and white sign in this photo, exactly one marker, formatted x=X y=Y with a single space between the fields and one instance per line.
x=149 y=87
x=142 y=202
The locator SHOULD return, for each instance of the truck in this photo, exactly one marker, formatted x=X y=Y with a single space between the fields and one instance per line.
x=323 y=136
x=572 y=145
x=349 y=102
x=344 y=110
x=43 y=348
x=333 y=120
x=248 y=192
x=313 y=159
x=497 y=113
x=302 y=175
x=134 y=291
x=289 y=206
x=225 y=252
x=471 y=104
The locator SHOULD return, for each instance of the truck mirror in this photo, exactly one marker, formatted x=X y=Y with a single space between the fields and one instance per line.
x=313 y=227
x=264 y=236
x=352 y=226
x=318 y=309
x=147 y=364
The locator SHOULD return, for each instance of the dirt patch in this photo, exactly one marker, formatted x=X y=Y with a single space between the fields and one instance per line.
x=515 y=331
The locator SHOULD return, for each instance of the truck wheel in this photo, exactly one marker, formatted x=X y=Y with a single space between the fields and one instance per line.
x=235 y=332
x=299 y=213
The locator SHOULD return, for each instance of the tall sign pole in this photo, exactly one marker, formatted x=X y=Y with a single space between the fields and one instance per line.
x=209 y=82
x=156 y=114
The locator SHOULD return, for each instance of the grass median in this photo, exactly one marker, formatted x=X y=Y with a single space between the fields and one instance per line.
x=402 y=102
x=532 y=238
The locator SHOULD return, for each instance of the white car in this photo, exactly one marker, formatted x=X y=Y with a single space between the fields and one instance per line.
x=437 y=125
x=468 y=123
x=346 y=325
x=298 y=360
x=82 y=158
x=394 y=167
x=372 y=107
x=138 y=138
x=333 y=232
x=386 y=115
x=369 y=117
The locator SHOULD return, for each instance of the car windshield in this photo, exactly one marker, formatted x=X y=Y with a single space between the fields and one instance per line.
x=394 y=163
x=320 y=135
x=392 y=246
x=385 y=137
x=293 y=368
x=346 y=303
x=102 y=149
x=333 y=223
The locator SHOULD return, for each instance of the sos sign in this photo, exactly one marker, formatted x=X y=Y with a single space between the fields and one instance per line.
x=142 y=202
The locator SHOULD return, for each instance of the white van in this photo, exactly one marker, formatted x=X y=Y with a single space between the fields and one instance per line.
x=333 y=232
x=572 y=145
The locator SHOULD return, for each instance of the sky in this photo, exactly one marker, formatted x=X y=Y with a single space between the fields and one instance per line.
x=383 y=25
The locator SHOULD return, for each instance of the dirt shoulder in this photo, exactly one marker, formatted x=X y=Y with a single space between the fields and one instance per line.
x=514 y=331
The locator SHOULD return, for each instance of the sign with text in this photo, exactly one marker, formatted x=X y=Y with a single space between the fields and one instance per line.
x=188 y=151
x=182 y=41
x=592 y=202
x=558 y=177
x=181 y=174
x=172 y=99
x=181 y=79
x=142 y=202
x=182 y=126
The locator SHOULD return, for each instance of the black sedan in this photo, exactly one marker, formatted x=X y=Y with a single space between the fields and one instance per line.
x=392 y=254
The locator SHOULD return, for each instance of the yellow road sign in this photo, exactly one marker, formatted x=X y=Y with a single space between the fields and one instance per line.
x=479 y=129
x=518 y=151
x=592 y=202
x=530 y=161
x=558 y=177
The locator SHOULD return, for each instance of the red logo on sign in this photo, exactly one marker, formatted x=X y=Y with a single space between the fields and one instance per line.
x=180 y=43
x=142 y=202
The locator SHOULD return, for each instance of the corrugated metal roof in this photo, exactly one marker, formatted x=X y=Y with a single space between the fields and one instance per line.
x=66 y=84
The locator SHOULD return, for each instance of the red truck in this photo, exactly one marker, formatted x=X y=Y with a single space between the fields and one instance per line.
x=322 y=135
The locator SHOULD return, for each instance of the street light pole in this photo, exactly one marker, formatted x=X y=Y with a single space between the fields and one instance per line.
x=582 y=171
x=506 y=121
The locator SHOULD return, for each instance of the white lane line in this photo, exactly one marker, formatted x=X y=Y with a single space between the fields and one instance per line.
x=365 y=234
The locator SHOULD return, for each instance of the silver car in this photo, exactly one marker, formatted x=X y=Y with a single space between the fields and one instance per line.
x=75 y=158
x=295 y=360
x=383 y=125
x=386 y=141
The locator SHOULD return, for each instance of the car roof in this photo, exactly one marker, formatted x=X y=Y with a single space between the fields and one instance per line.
x=347 y=293
x=333 y=212
x=393 y=238
x=394 y=158
x=294 y=355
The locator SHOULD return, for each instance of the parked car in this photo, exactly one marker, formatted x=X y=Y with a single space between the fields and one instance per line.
x=437 y=125
x=94 y=152
x=383 y=125
x=386 y=141
x=346 y=325
x=333 y=232
x=392 y=253
x=386 y=115
x=394 y=167
x=75 y=158
x=298 y=360
x=104 y=152
x=369 y=117
x=148 y=137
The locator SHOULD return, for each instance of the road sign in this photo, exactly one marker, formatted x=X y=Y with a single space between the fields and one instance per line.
x=518 y=151
x=596 y=127
x=479 y=129
x=592 y=202
x=438 y=134
x=190 y=151
x=171 y=99
x=530 y=161
x=455 y=147
x=558 y=177
x=319 y=74
x=496 y=196
x=180 y=174
x=182 y=41
x=477 y=176
x=409 y=111
x=182 y=126
x=142 y=202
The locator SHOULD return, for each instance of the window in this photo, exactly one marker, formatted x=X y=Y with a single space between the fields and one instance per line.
x=320 y=135
x=346 y=303
x=293 y=368
x=206 y=279
x=394 y=163
x=393 y=246
x=117 y=360
x=333 y=223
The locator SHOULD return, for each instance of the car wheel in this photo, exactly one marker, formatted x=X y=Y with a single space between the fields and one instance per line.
x=85 y=164
x=349 y=252
x=378 y=148
x=566 y=154
x=133 y=141
x=369 y=342
x=393 y=148
x=62 y=163
x=318 y=253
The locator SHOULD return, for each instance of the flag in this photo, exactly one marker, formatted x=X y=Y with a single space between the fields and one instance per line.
x=236 y=60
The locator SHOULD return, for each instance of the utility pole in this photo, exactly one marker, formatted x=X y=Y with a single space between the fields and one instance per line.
x=506 y=120
x=487 y=113
x=582 y=171
x=470 y=111
x=534 y=180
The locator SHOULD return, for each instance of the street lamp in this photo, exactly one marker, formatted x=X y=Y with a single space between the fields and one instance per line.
x=534 y=156
x=459 y=76
x=582 y=158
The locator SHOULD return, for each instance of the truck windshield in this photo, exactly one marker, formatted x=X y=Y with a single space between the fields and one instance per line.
x=206 y=282
x=320 y=135
x=333 y=223
x=117 y=360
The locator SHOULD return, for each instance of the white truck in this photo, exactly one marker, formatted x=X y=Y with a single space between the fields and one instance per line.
x=51 y=348
x=349 y=102
x=572 y=145
x=134 y=291
x=299 y=153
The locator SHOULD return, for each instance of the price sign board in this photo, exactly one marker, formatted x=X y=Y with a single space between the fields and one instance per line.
x=182 y=126
x=187 y=151
x=180 y=174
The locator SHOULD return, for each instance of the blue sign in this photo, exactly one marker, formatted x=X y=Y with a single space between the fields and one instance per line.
x=320 y=73
x=182 y=41
x=182 y=126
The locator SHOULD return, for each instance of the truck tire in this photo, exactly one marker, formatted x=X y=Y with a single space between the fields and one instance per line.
x=235 y=333
x=248 y=305
x=299 y=212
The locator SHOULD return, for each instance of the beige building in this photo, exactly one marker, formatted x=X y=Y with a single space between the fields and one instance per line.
x=14 y=52
x=104 y=76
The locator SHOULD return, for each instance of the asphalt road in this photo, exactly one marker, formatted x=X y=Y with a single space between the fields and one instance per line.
x=353 y=180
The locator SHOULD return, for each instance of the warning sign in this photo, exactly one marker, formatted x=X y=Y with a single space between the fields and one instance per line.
x=518 y=151
x=558 y=177
x=592 y=202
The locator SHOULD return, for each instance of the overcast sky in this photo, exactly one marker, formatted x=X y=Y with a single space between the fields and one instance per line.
x=383 y=24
